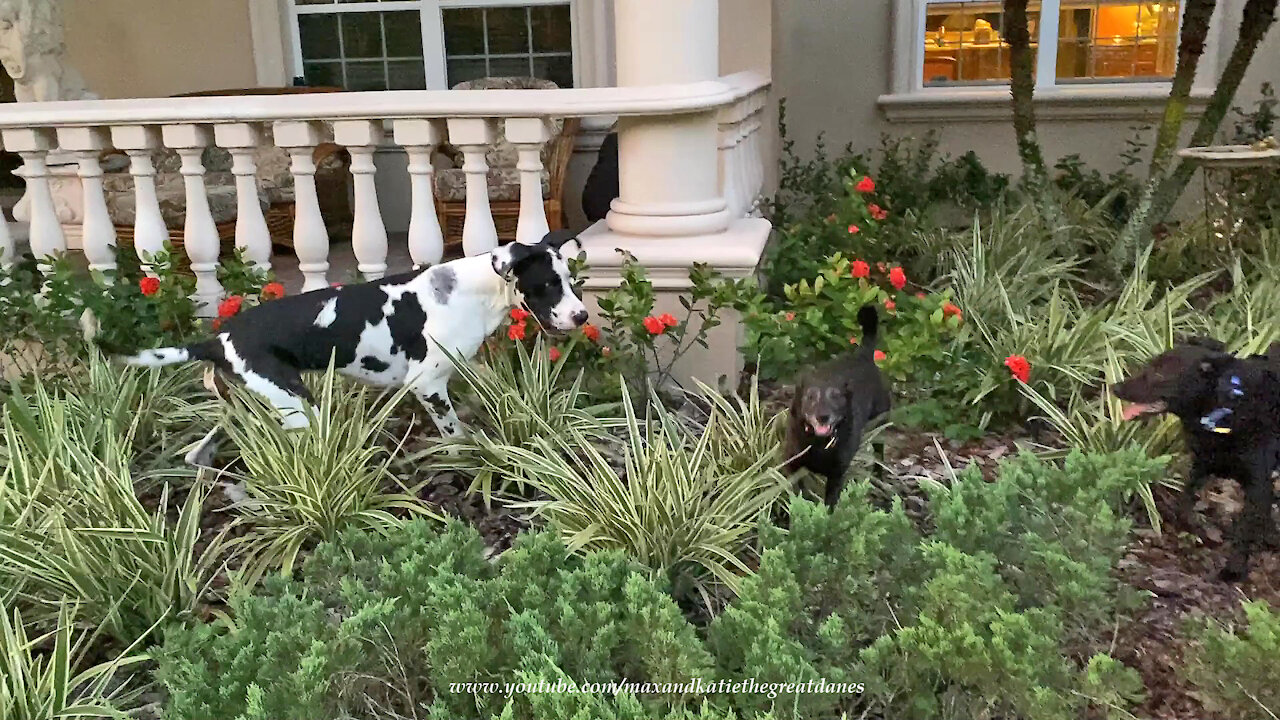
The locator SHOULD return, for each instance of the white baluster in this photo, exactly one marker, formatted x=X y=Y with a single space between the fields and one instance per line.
x=252 y=237
x=420 y=138
x=32 y=144
x=149 y=231
x=98 y=235
x=310 y=238
x=368 y=233
x=7 y=249
x=199 y=233
x=529 y=135
x=474 y=136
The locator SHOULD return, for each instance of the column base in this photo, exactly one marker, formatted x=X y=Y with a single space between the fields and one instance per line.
x=734 y=253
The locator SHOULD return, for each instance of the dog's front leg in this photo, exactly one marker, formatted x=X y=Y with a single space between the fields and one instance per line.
x=1250 y=528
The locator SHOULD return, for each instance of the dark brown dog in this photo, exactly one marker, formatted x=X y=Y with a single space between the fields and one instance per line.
x=1229 y=408
x=834 y=405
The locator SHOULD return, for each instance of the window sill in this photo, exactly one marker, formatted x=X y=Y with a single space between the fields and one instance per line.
x=1128 y=101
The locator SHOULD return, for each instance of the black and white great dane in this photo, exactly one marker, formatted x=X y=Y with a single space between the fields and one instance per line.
x=390 y=332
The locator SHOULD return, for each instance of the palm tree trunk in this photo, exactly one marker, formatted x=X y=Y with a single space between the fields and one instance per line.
x=1022 y=88
x=1256 y=21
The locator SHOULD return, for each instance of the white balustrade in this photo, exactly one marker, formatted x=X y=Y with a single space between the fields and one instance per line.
x=310 y=237
x=368 y=234
x=673 y=133
x=529 y=136
x=98 y=235
x=7 y=249
x=252 y=237
x=32 y=145
x=419 y=139
x=474 y=136
x=199 y=232
x=149 y=231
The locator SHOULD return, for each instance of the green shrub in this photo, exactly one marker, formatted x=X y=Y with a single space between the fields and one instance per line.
x=384 y=625
x=995 y=615
x=1235 y=668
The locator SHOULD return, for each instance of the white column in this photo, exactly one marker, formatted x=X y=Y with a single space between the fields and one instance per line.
x=98 y=235
x=669 y=169
x=150 y=235
x=529 y=135
x=310 y=237
x=474 y=136
x=199 y=233
x=7 y=249
x=252 y=237
x=33 y=144
x=368 y=233
x=1046 y=67
x=420 y=138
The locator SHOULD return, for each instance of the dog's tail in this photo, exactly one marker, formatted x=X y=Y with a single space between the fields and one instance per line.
x=869 y=319
x=159 y=357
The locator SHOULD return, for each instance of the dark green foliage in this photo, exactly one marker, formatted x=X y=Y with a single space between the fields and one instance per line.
x=1253 y=125
x=1236 y=668
x=385 y=625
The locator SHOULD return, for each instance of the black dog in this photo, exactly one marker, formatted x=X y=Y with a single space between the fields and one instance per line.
x=834 y=404
x=1229 y=408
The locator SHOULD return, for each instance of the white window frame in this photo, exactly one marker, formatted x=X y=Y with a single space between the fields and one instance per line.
x=432 y=22
x=910 y=99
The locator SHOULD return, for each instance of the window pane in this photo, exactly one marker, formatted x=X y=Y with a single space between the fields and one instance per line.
x=1101 y=39
x=366 y=75
x=509 y=66
x=314 y=2
x=463 y=31
x=556 y=68
x=322 y=74
x=361 y=35
x=464 y=70
x=319 y=36
x=552 y=31
x=406 y=75
x=967 y=43
x=508 y=30
x=404 y=33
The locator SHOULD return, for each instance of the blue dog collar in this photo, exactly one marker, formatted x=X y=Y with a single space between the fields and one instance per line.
x=1212 y=420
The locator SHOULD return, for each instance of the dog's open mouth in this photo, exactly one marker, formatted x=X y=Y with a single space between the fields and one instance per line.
x=820 y=429
x=1133 y=411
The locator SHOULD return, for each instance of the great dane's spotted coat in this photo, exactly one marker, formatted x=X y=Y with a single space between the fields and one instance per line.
x=390 y=332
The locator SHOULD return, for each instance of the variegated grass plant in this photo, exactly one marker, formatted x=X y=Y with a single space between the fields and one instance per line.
x=39 y=679
x=306 y=485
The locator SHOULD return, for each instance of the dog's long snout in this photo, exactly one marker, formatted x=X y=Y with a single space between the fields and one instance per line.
x=580 y=318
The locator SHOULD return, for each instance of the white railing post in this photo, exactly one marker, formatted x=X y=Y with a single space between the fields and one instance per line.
x=149 y=231
x=33 y=144
x=529 y=136
x=252 y=237
x=310 y=237
x=474 y=136
x=368 y=233
x=199 y=232
x=98 y=234
x=7 y=249
x=419 y=139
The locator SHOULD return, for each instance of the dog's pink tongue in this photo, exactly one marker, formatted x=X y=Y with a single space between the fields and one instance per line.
x=1133 y=410
x=821 y=430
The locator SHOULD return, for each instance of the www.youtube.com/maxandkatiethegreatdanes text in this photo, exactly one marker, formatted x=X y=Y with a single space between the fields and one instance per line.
x=696 y=686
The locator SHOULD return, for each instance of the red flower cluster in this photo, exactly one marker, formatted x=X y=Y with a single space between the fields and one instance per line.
x=853 y=229
x=865 y=185
x=272 y=291
x=879 y=356
x=591 y=332
x=149 y=286
x=554 y=353
x=949 y=309
x=229 y=307
x=518 y=328
x=897 y=278
x=859 y=269
x=877 y=212
x=890 y=305
x=1018 y=367
x=658 y=325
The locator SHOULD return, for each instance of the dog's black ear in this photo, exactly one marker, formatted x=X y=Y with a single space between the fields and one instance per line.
x=505 y=258
x=1206 y=342
x=1213 y=364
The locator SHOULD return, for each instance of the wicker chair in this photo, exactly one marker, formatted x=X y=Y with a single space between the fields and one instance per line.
x=275 y=186
x=504 y=178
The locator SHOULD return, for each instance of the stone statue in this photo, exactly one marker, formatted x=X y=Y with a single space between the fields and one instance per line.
x=33 y=53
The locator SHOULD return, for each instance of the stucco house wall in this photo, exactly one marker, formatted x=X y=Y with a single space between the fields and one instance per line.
x=833 y=59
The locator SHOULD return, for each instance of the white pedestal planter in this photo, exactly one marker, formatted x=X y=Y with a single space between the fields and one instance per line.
x=1238 y=185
